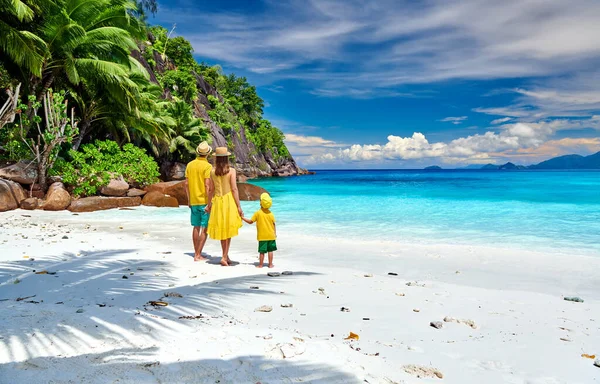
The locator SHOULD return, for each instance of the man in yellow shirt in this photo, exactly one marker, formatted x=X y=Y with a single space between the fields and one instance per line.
x=198 y=187
x=266 y=232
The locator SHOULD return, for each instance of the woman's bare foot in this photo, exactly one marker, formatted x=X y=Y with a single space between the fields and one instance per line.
x=271 y=265
x=200 y=258
x=224 y=263
x=259 y=266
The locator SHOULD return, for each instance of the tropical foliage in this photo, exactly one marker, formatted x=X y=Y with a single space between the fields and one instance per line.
x=95 y=55
x=95 y=164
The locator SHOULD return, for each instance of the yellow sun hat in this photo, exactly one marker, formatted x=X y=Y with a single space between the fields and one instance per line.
x=265 y=201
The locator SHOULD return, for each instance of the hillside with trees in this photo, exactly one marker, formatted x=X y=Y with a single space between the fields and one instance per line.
x=79 y=75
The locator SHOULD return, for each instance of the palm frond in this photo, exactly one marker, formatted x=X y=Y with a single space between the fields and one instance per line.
x=24 y=48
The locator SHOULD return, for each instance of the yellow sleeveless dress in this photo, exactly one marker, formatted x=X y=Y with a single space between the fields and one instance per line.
x=225 y=220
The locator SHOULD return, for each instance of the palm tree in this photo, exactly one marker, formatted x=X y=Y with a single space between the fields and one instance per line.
x=21 y=46
x=186 y=132
x=88 y=41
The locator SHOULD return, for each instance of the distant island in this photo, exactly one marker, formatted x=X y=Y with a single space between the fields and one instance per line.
x=560 y=162
x=433 y=167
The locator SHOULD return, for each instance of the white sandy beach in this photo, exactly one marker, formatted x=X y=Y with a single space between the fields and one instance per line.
x=90 y=321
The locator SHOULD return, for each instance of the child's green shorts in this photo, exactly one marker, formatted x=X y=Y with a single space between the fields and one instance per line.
x=267 y=246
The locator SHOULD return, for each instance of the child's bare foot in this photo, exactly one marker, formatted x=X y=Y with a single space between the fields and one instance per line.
x=271 y=265
x=259 y=266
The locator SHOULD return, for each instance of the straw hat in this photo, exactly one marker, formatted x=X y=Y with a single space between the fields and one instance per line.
x=222 y=151
x=203 y=149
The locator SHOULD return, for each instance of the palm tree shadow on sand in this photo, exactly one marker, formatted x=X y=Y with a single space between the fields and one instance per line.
x=98 y=296
x=138 y=366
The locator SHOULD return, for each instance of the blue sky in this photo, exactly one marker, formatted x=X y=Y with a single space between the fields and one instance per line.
x=405 y=84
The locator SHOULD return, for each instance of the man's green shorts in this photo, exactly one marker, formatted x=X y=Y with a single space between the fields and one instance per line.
x=267 y=246
x=199 y=217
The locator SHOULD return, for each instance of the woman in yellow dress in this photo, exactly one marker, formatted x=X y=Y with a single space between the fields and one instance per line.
x=225 y=210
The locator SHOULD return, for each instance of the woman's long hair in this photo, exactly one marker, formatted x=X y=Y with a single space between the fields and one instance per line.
x=221 y=165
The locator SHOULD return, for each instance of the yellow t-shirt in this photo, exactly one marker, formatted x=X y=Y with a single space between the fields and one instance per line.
x=265 y=224
x=196 y=172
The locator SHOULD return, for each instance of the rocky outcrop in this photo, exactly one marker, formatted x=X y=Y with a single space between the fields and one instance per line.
x=248 y=161
x=99 y=203
x=31 y=203
x=134 y=192
x=23 y=172
x=11 y=195
x=115 y=187
x=250 y=192
x=174 y=189
x=172 y=171
x=158 y=199
x=57 y=198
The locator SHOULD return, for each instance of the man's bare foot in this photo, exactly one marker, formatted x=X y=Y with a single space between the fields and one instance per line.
x=224 y=263
x=200 y=258
x=271 y=265
x=259 y=266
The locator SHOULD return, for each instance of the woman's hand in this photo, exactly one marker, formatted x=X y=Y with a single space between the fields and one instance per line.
x=240 y=212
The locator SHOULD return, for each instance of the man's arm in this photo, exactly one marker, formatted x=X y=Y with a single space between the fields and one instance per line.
x=209 y=194
x=187 y=192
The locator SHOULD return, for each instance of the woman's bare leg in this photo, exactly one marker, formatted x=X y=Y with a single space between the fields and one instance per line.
x=228 y=245
x=225 y=249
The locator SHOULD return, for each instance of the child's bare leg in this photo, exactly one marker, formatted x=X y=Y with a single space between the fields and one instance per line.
x=261 y=260
x=270 y=260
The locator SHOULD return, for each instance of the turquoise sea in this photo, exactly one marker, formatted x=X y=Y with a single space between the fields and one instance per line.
x=545 y=210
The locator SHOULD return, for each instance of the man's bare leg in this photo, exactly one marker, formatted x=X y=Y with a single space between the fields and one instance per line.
x=270 y=260
x=261 y=260
x=198 y=243
x=202 y=242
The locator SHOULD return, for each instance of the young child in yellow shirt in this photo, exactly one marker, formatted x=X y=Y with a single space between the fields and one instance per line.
x=266 y=232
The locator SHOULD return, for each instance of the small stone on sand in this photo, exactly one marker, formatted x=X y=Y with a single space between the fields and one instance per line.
x=468 y=322
x=422 y=372
x=597 y=362
x=368 y=275
x=400 y=294
x=264 y=308
x=273 y=274
x=416 y=310
x=575 y=299
x=287 y=273
x=436 y=324
x=288 y=305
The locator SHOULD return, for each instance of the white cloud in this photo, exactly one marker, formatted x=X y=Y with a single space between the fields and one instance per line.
x=455 y=120
x=309 y=141
x=511 y=138
x=500 y=121
x=407 y=42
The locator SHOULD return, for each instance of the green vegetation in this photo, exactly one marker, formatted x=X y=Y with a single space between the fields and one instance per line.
x=93 y=166
x=59 y=128
x=86 y=50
